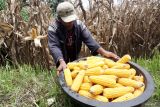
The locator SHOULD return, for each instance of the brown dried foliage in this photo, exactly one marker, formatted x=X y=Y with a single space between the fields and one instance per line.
x=19 y=50
x=131 y=27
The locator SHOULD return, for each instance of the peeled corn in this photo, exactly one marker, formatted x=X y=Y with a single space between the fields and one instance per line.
x=142 y=88
x=85 y=86
x=78 y=81
x=137 y=92
x=121 y=66
x=118 y=72
x=94 y=58
x=101 y=98
x=76 y=68
x=96 y=64
x=117 y=85
x=86 y=79
x=94 y=71
x=96 y=89
x=102 y=81
x=133 y=73
x=74 y=73
x=109 y=76
x=109 y=62
x=85 y=93
x=125 y=97
x=68 y=77
x=104 y=66
x=139 y=78
x=124 y=59
x=82 y=65
x=116 y=81
x=71 y=65
x=116 y=92
x=130 y=82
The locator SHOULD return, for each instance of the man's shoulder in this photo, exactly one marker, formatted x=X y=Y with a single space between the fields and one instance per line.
x=79 y=22
x=53 y=26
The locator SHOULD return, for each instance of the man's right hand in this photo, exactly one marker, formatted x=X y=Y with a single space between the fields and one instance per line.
x=62 y=66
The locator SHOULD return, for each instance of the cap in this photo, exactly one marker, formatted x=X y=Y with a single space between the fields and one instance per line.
x=66 y=12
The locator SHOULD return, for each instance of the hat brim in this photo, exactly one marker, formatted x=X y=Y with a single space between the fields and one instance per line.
x=69 y=18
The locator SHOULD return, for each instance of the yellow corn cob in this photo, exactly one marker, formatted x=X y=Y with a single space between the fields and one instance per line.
x=130 y=82
x=109 y=76
x=85 y=86
x=94 y=71
x=137 y=92
x=71 y=65
x=101 y=98
x=68 y=77
x=121 y=66
x=78 y=81
x=139 y=78
x=76 y=68
x=125 y=97
x=74 y=73
x=86 y=79
x=90 y=61
x=142 y=88
x=85 y=94
x=91 y=58
x=104 y=66
x=109 y=62
x=95 y=64
x=116 y=92
x=133 y=71
x=102 y=81
x=96 y=89
x=118 y=72
x=117 y=85
x=95 y=58
x=82 y=65
x=124 y=59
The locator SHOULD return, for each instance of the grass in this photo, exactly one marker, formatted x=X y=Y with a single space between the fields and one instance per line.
x=29 y=87
x=153 y=66
x=25 y=86
x=32 y=87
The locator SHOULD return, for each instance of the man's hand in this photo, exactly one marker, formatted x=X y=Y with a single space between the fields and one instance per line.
x=62 y=66
x=107 y=53
x=111 y=55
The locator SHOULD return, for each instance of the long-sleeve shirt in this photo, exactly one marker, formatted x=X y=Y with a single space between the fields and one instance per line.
x=57 y=39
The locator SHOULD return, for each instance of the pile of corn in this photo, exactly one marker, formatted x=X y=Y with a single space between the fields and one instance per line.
x=104 y=79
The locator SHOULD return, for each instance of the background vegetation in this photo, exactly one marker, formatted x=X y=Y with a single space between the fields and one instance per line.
x=132 y=26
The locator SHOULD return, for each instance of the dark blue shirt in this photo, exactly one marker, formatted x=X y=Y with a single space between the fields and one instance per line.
x=57 y=40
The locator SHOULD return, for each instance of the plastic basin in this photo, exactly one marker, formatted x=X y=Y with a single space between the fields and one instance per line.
x=136 y=102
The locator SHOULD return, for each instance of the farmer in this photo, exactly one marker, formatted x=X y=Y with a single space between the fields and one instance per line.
x=65 y=37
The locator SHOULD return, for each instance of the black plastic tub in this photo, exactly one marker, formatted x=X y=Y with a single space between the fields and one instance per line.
x=136 y=102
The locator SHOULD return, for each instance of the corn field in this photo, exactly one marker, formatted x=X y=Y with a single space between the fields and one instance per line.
x=132 y=26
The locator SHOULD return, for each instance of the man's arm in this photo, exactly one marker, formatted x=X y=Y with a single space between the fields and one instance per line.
x=55 y=49
x=93 y=45
x=88 y=39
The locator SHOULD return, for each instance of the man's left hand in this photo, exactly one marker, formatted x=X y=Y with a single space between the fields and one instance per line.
x=107 y=54
x=111 y=55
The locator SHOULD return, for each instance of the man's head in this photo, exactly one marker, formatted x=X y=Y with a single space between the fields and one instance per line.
x=66 y=12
